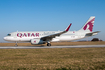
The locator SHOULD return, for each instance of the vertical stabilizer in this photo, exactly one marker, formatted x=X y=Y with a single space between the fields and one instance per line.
x=88 y=25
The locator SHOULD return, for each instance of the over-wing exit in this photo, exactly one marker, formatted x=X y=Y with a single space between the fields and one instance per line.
x=42 y=37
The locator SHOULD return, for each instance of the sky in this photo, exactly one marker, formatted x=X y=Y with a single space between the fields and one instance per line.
x=50 y=15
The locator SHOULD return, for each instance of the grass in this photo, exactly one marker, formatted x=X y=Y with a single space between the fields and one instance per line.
x=56 y=43
x=53 y=59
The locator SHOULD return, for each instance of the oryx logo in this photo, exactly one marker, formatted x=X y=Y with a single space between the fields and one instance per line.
x=89 y=25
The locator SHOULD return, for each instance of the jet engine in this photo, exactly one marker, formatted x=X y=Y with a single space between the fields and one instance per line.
x=37 y=41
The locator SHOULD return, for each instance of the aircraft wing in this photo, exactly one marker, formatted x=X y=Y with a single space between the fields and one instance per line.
x=49 y=37
x=91 y=34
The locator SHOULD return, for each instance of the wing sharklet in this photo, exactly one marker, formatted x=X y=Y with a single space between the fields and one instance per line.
x=67 y=29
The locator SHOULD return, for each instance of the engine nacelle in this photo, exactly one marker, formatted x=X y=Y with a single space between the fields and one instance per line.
x=37 y=41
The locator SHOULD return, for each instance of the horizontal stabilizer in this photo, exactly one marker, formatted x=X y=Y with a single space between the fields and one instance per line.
x=92 y=34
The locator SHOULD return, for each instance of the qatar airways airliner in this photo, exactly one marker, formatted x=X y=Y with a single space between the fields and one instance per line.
x=42 y=37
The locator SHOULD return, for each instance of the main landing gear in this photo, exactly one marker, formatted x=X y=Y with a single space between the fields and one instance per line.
x=48 y=44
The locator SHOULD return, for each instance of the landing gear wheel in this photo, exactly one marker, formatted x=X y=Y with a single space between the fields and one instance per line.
x=16 y=44
x=48 y=44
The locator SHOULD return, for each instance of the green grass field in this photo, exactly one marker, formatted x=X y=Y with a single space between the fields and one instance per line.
x=53 y=59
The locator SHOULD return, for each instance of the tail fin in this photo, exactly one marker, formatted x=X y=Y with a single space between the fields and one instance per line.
x=88 y=25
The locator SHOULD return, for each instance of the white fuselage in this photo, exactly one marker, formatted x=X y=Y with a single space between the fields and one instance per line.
x=27 y=36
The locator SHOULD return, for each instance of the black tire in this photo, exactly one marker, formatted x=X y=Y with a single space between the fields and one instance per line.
x=48 y=44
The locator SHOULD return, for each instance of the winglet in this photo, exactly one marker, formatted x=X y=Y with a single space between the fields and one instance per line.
x=67 y=29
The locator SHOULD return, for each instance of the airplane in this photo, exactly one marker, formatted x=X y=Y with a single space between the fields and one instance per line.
x=42 y=37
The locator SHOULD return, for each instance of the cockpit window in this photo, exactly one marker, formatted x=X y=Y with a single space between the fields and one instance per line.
x=8 y=34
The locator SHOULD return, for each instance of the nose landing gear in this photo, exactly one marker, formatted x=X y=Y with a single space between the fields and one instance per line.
x=16 y=44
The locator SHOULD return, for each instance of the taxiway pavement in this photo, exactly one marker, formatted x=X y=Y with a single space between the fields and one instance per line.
x=40 y=47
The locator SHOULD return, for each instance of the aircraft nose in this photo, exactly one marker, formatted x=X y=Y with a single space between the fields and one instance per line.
x=5 y=38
